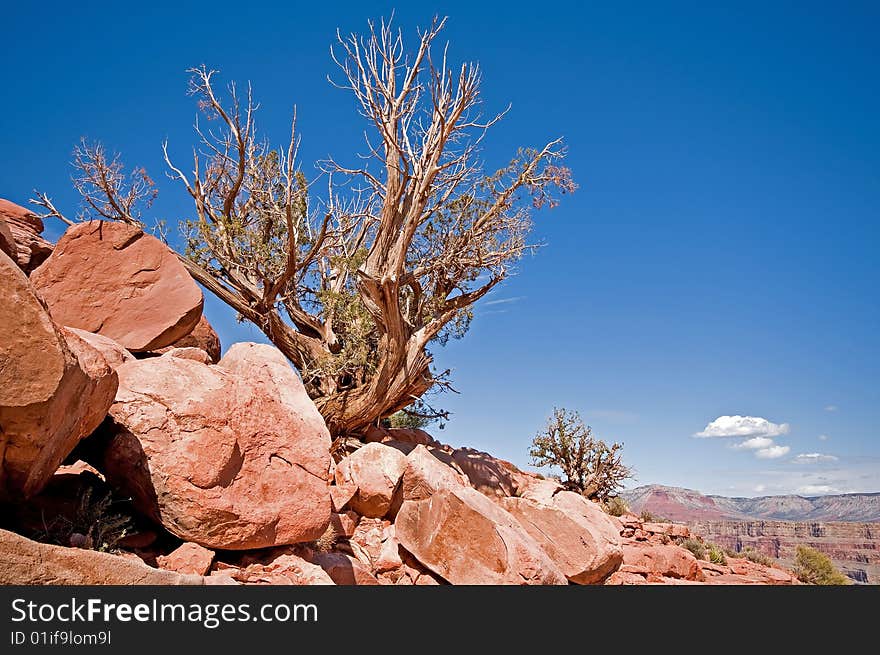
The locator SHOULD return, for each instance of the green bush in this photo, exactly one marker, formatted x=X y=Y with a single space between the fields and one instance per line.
x=697 y=547
x=757 y=557
x=814 y=567
x=647 y=517
x=616 y=506
x=716 y=554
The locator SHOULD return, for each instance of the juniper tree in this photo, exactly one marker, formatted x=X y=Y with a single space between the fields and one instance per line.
x=591 y=467
x=354 y=275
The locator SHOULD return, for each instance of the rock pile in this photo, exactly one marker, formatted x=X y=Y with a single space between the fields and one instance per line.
x=122 y=429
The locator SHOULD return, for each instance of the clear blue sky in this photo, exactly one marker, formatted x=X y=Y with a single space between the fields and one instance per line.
x=718 y=259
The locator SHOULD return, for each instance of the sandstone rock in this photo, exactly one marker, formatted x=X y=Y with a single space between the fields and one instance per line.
x=114 y=354
x=424 y=474
x=203 y=337
x=344 y=569
x=29 y=248
x=345 y=523
x=538 y=489
x=375 y=470
x=574 y=532
x=7 y=242
x=341 y=495
x=266 y=365
x=112 y=279
x=465 y=538
x=487 y=474
x=215 y=457
x=663 y=560
x=27 y=562
x=188 y=558
x=194 y=354
x=285 y=569
x=403 y=435
x=54 y=388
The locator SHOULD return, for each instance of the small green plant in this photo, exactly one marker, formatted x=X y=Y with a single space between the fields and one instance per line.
x=757 y=557
x=735 y=554
x=814 y=567
x=697 y=547
x=647 y=517
x=616 y=506
x=716 y=554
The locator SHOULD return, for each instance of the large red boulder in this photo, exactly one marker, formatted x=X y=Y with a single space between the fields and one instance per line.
x=375 y=469
x=27 y=562
x=576 y=534
x=266 y=365
x=113 y=279
x=29 y=249
x=465 y=538
x=55 y=389
x=216 y=457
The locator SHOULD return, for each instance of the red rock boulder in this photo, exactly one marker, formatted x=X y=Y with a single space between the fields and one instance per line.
x=424 y=474
x=662 y=560
x=114 y=354
x=114 y=280
x=575 y=534
x=375 y=470
x=55 y=389
x=7 y=242
x=465 y=538
x=487 y=474
x=27 y=562
x=216 y=457
x=28 y=248
x=187 y=558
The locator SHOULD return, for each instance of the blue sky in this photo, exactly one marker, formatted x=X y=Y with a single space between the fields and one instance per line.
x=717 y=260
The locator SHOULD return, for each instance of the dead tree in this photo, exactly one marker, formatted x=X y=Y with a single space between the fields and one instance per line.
x=354 y=275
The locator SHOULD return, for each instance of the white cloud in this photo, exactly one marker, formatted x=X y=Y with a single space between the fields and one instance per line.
x=772 y=452
x=754 y=443
x=816 y=489
x=830 y=408
x=743 y=426
x=759 y=488
x=814 y=457
x=823 y=437
x=502 y=301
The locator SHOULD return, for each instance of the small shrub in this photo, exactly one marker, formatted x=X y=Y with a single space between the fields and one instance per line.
x=716 y=554
x=616 y=506
x=757 y=557
x=96 y=524
x=814 y=567
x=327 y=541
x=730 y=552
x=647 y=517
x=697 y=547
